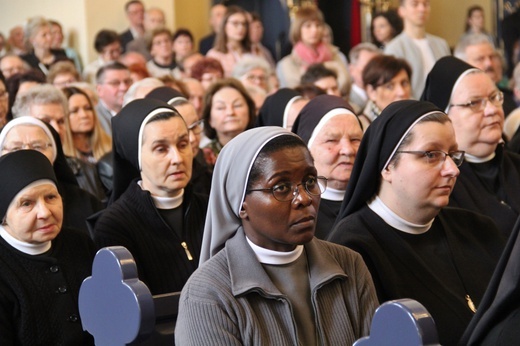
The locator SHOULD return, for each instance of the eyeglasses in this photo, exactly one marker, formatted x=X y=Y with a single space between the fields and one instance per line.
x=38 y=146
x=496 y=99
x=252 y=78
x=437 y=157
x=116 y=83
x=236 y=24
x=285 y=192
x=196 y=127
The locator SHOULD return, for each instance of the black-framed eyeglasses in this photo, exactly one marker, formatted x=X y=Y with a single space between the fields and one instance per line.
x=437 y=157
x=286 y=192
x=496 y=99
x=197 y=127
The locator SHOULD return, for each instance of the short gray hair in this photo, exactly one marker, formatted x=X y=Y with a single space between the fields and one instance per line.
x=143 y=83
x=42 y=94
x=353 y=55
x=470 y=40
x=245 y=65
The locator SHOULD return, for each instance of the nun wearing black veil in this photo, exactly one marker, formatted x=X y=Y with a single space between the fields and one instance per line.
x=332 y=132
x=154 y=212
x=42 y=264
x=394 y=214
x=264 y=278
x=489 y=182
x=29 y=132
x=280 y=108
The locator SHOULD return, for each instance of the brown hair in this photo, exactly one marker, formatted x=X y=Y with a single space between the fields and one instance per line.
x=210 y=132
x=382 y=68
x=62 y=67
x=304 y=14
x=205 y=65
x=221 y=39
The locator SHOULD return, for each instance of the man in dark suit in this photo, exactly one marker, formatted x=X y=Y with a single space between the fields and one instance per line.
x=215 y=19
x=135 y=13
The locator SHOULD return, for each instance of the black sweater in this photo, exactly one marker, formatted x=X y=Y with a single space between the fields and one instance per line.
x=39 y=294
x=134 y=222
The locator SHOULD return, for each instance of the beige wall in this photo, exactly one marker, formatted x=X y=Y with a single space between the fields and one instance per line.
x=448 y=16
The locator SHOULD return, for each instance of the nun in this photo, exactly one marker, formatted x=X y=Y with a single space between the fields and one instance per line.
x=201 y=173
x=332 y=132
x=281 y=108
x=154 y=212
x=27 y=132
x=264 y=278
x=490 y=176
x=42 y=265
x=394 y=214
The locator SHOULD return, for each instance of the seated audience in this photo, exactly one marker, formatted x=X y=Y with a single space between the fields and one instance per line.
x=11 y=64
x=332 y=132
x=27 y=132
x=39 y=39
x=395 y=215
x=108 y=47
x=281 y=109
x=182 y=45
x=384 y=27
x=57 y=43
x=42 y=262
x=154 y=213
x=232 y=41
x=264 y=279
x=252 y=71
x=207 y=71
x=228 y=111
x=386 y=79
x=322 y=77
x=490 y=176
x=306 y=35
x=62 y=74
x=163 y=59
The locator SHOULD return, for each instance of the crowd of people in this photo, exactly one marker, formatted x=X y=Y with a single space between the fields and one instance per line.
x=285 y=199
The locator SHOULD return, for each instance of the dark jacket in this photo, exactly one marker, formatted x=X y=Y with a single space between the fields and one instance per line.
x=134 y=222
x=454 y=258
x=500 y=202
x=39 y=294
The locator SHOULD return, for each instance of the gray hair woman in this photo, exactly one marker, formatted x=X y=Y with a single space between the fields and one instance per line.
x=266 y=280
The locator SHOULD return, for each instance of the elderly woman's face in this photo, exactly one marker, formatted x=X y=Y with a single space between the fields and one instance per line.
x=478 y=131
x=311 y=32
x=28 y=137
x=229 y=112
x=276 y=225
x=166 y=157
x=35 y=215
x=417 y=184
x=255 y=77
x=335 y=149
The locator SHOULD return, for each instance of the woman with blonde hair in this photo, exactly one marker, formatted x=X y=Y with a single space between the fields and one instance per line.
x=84 y=136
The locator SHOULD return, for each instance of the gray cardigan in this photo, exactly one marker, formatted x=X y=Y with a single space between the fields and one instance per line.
x=402 y=46
x=230 y=300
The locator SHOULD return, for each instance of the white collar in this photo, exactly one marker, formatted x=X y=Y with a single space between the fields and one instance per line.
x=333 y=194
x=165 y=202
x=474 y=159
x=27 y=248
x=266 y=256
x=395 y=220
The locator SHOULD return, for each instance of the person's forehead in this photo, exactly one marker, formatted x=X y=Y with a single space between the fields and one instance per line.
x=113 y=74
x=11 y=61
x=475 y=84
x=483 y=48
x=25 y=130
x=171 y=129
